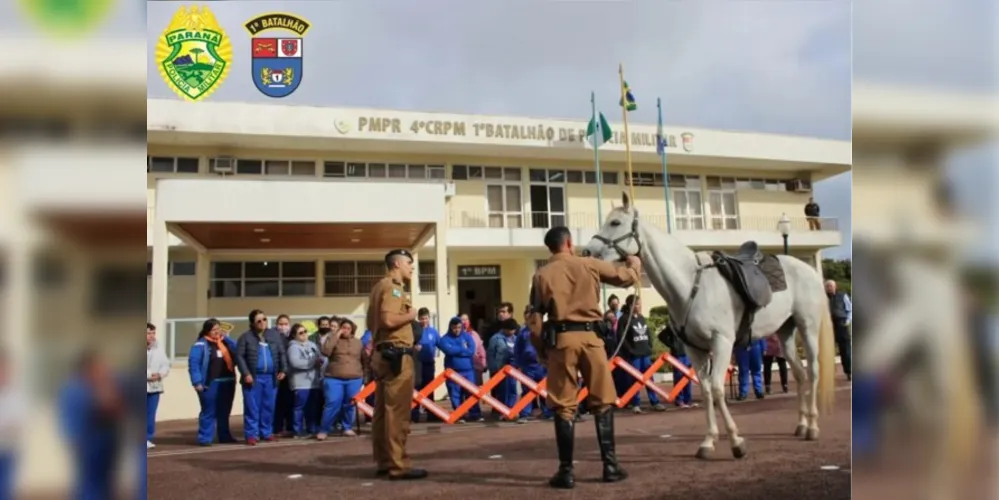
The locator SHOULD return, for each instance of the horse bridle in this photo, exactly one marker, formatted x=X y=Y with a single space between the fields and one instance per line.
x=616 y=243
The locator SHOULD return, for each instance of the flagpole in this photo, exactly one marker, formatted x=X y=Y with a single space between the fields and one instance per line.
x=627 y=154
x=597 y=133
x=662 y=157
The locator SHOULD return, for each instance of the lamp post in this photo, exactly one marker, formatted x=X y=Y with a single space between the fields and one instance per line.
x=784 y=226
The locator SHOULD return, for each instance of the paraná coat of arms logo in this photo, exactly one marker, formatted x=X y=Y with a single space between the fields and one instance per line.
x=194 y=53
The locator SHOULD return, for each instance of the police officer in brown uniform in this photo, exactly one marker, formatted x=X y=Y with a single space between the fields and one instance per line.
x=567 y=289
x=390 y=317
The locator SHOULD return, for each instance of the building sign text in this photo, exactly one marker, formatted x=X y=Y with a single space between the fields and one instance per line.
x=499 y=130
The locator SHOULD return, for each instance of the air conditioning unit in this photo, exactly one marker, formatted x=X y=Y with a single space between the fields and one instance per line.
x=223 y=165
x=800 y=185
x=448 y=189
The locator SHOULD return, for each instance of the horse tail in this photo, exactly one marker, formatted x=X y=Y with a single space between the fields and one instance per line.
x=827 y=362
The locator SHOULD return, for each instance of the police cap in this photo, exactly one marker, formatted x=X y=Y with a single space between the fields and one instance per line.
x=398 y=251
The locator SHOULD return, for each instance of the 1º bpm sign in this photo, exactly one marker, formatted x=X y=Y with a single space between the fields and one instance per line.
x=478 y=272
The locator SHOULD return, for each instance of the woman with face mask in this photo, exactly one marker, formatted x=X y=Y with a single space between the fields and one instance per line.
x=285 y=404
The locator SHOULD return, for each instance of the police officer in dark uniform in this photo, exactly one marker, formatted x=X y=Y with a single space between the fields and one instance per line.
x=567 y=289
x=390 y=319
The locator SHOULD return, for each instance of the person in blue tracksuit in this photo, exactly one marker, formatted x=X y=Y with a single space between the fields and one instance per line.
x=91 y=408
x=679 y=351
x=865 y=415
x=262 y=362
x=499 y=354
x=459 y=347
x=212 y=368
x=285 y=405
x=427 y=357
x=304 y=364
x=525 y=359
x=750 y=361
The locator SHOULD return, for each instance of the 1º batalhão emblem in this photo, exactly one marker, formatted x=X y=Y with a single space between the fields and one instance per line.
x=277 y=58
x=194 y=53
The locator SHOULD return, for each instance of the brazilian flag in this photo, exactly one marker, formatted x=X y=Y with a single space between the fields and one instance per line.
x=629 y=98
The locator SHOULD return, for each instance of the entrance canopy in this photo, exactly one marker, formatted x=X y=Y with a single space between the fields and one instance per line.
x=307 y=236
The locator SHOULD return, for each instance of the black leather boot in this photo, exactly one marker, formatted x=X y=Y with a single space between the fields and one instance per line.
x=605 y=437
x=565 y=431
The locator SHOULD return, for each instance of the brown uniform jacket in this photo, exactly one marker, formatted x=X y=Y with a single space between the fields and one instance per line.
x=348 y=358
x=572 y=284
x=388 y=297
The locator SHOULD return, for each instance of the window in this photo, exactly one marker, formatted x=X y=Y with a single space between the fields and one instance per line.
x=263 y=279
x=589 y=177
x=645 y=179
x=175 y=268
x=182 y=268
x=118 y=291
x=357 y=170
x=688 y=205
x=722 y=203
x=249 y=167
x=171 y=165
x=287 y=167
x=504 y=204
x=351 y=278
x=395 y=171
x=428 y=276
x=334 y=169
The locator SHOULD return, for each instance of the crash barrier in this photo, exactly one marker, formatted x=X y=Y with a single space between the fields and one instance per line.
x=535 y=389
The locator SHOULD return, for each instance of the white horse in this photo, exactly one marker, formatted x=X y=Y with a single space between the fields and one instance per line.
x=710 y=318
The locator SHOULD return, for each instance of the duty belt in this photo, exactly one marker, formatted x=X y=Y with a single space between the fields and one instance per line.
x=392 y=347
x=574 y=326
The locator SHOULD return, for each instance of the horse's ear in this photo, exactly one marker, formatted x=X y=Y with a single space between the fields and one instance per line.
x=625 y=200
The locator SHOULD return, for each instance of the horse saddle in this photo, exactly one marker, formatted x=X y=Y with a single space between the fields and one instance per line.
x=755 y=277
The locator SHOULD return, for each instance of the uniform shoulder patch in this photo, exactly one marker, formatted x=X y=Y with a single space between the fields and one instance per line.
x=396 y=292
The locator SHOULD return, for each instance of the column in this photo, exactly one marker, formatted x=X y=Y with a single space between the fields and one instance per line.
x=158 y=281
x=19 y=267
x=202 y=283
x=414 y=286
x=445 y=304
x=818 y=265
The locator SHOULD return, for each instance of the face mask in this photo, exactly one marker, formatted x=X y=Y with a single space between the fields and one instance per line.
x=324 y=331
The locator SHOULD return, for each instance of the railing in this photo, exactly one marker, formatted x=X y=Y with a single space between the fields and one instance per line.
x=589 y=220
x=536 y=389
x=181 y=333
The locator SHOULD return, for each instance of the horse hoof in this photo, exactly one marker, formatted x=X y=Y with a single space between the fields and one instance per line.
x=739 y=451
x=812 y=435
x=703 y=453
x=799 y=430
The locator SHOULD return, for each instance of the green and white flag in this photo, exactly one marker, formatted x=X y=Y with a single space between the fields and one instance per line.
x=597 y=133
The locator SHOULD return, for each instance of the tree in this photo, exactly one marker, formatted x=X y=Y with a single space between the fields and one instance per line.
x=840 y=271
x=197 y=52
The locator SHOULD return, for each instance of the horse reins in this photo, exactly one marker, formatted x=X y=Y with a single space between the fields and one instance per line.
x=616 y=245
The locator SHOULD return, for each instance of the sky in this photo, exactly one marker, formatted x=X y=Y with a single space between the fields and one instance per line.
x=765 y=66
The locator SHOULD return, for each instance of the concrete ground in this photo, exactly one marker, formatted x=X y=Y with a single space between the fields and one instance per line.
x=506 y=460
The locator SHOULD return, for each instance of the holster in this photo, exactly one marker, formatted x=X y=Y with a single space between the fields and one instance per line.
x=393 y=356
x=549 y=334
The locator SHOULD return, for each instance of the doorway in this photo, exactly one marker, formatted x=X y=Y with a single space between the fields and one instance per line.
x=547 y=205
x=479 y=294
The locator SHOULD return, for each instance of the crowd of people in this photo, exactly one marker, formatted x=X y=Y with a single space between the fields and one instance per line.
x=299 y=384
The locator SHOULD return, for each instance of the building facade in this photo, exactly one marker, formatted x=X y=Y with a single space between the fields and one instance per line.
x=290 y=208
